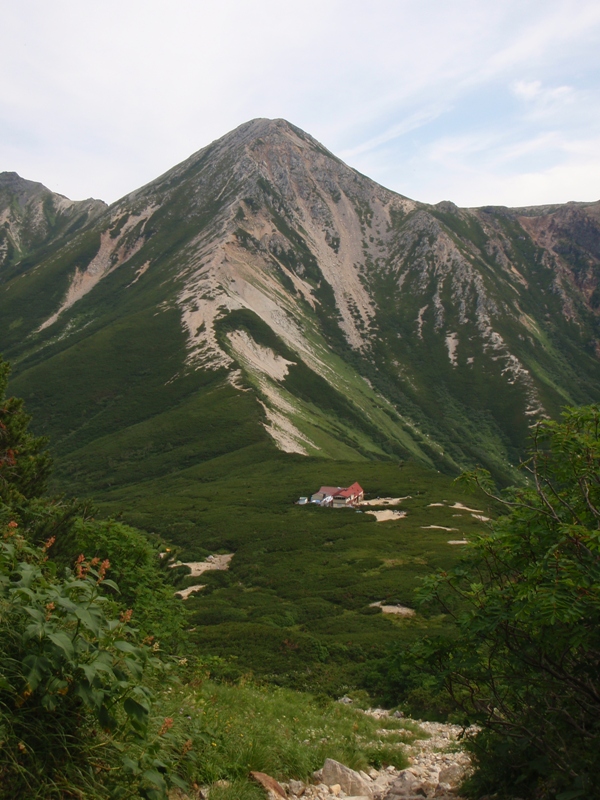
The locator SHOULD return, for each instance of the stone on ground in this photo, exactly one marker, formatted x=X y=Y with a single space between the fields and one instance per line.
x=350 y=781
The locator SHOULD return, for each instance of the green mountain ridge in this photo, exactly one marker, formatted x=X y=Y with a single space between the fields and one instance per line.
x=262 y=295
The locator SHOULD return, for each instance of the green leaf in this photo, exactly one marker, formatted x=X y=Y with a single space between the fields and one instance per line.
x=130 y=766
x=37 y=615
x=88 y=620
x=105 y=719
x=62 y=641
x=179 y=782
x=135 y=668
x=127 y=647
x=154 y=777
x=37 y=667
x=136 y=710
x=154 y=794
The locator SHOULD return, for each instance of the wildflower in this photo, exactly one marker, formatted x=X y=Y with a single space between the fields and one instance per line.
x=126 y=615
x=187 y=746
x=148 y=640
x=49 y=609
x=94 y=562
x=156 y=647
x=13 y=524
x=49 y=542
x=102 y=570
x=183 y=662
x=23 y=697
x=81 y=567
x=167 y=724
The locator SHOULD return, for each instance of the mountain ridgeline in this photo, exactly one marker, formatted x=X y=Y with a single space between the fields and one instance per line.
x=263 y=296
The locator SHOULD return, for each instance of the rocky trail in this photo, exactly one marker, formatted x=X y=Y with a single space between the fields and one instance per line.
x=437 y=766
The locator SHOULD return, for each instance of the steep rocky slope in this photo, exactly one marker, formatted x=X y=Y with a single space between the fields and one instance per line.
x=31 y=216
x=263 y=282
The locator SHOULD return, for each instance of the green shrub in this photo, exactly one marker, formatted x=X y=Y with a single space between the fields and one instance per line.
x=74 y=704
x=526 y=663
x=71 y=691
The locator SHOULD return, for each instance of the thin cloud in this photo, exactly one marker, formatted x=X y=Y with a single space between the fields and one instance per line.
x=411 y=123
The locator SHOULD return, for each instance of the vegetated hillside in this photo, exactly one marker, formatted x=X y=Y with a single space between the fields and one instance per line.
x=295 y=605
x=264 y=295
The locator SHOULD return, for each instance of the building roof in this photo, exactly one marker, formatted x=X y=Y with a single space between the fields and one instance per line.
x=351 y=491
x=329 y=490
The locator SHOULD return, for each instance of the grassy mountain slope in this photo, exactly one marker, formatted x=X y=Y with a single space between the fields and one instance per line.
x=264 y=295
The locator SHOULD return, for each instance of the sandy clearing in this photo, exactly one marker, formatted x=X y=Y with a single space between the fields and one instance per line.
x=225 y=277
x=451 y=346
x=420 y=321
x=212 y=562
x=139 y=272
x=458 y=541
x=259 y=358
x=480 y=517
x=185 y=593
x=435 y=505
x=386 y=516
x=437 y=528
x=402 y=611
x=286 y=435
x=386 y=501
x=466 y=508
x=268 y=367
x=110 y=256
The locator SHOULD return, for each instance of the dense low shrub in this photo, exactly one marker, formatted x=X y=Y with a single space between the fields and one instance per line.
x=73 y=708
x=526 y=663
x=74 y=694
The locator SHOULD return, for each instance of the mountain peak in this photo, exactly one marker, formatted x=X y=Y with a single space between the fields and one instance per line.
x=21 y=188
x=286 y=271
x=33 y=215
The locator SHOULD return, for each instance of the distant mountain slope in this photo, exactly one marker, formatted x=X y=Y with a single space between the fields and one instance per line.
x=32 y=216
x=262 y=293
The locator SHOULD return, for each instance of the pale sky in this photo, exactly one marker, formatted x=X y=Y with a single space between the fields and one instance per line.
x=483 y=102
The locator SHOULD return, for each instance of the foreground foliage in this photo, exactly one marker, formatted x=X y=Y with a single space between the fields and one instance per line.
x=74 y=698
x=71 y=691
x=526 y=665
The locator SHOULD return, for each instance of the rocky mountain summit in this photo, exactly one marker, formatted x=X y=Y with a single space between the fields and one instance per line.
x=362 y=323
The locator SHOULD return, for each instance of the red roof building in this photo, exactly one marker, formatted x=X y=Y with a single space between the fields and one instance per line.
x=351 y=496
x=338 y=496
